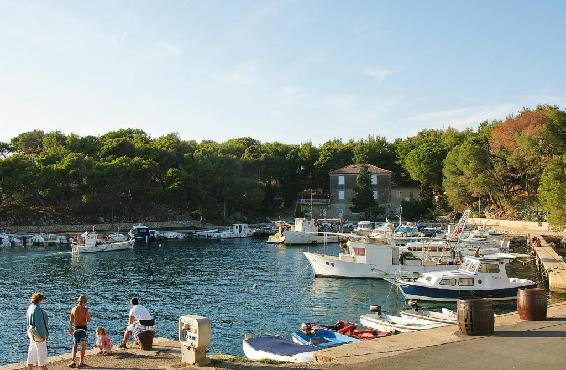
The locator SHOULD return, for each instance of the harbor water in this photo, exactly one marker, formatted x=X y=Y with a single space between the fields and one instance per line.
x=243 y=286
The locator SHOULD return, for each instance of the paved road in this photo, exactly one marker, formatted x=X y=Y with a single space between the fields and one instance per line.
x=522 y=347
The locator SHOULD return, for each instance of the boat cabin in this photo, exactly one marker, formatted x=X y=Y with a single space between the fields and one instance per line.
x=241 y=229
x=364 y=226
x=142 y=232
x=482 y=272
x=305 y=225
x=380 y=255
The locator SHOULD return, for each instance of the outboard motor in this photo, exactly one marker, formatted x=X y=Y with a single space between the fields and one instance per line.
x=375 y=308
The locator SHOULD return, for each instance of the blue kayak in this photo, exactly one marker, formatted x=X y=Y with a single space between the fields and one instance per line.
x=322 y=338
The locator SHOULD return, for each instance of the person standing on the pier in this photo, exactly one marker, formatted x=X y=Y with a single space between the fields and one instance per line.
x=139 y=321
x=79 y=317
x=37 y=333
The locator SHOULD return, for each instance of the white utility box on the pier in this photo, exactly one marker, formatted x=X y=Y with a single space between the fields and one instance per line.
x=194 y=335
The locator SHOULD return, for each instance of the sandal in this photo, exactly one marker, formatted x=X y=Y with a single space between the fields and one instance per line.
x=123 y=345
x=72 y=364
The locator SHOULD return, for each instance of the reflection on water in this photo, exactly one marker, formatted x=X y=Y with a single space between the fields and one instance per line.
x=243 y=286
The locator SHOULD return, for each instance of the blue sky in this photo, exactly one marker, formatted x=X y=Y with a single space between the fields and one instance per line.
x=290 y=71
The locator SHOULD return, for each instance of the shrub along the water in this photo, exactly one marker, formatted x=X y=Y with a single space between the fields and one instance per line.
x=515 y=168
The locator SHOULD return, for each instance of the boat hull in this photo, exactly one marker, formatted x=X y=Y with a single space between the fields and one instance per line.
x=107 y=247
x=330 y=266
x=277 y=349
x=303 y=238
x=396 y=323
x=422 y=293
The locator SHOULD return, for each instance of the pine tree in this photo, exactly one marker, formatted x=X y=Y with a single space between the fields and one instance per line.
x=363 y=201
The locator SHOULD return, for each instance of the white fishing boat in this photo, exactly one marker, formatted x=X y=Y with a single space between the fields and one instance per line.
x=445 y=249
x=89 y=242
x=373 y=259
x=304 y=232
x=446 y=316
x=400 y=324
x=277 y=349
x=480 y=277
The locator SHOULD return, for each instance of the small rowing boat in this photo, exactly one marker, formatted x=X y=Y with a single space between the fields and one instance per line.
x=277 y=349
x=397 y=323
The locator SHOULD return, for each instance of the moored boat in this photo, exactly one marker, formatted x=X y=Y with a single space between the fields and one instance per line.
x=446 y=316
x=372 y=259
x=397 y=323
x=479 y=277
x=89 y=242
x=277 y=349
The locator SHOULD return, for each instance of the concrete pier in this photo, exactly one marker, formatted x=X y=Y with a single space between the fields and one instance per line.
x=552 y=264
x=516 y=344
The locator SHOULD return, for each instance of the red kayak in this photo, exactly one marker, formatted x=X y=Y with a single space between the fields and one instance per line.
x=355 y=331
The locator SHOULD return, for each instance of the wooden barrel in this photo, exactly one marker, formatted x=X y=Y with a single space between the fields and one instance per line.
x=475 y=316
x=531 y=304
x=146 y=340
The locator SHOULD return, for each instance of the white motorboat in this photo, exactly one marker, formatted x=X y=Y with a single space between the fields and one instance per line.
x=277 y=349
x=169 y=235
x=117 y=237
x=446 y=316
x=442 y=249
x=304 y=232
x=479 y=277
x=402 y=324
x=372 y=259
x=383 y=231
x=364 y=228
x=91 y=243
x=52 y=239
x=236 y=231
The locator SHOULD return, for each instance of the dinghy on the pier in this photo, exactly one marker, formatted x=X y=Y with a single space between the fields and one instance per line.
x=277 y=349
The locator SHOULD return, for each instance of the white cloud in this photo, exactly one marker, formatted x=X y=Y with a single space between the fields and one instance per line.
x=461 y=117
x=244 y=74
x=292 y=91
x=378 y=73
x=169 y=49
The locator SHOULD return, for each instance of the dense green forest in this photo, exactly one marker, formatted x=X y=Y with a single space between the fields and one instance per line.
x=513 y=168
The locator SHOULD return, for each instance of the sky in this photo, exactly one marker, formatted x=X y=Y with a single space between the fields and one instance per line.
x=288 y=71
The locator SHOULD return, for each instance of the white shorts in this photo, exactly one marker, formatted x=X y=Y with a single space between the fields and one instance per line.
x=136 y=329
x=37 y=353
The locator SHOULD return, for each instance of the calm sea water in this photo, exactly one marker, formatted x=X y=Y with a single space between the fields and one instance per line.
x=243 y=286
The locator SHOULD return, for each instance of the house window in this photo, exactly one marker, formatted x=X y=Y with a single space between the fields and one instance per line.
x=340 y=180
x=399 y=194
x=411 y=195
x=374 y=179
x=340 y=194
x=375 y=194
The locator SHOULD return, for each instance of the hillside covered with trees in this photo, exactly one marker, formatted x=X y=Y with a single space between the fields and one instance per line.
x=515 y=168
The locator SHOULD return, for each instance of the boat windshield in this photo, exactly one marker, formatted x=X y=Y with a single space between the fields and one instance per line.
x=469 y=266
